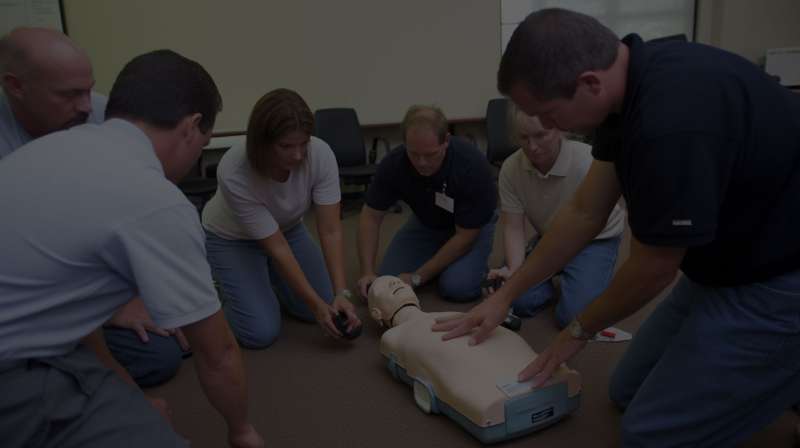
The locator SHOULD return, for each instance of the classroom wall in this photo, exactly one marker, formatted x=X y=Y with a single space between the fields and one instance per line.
x=748 y=27
x=376 y=56
x=428 y=40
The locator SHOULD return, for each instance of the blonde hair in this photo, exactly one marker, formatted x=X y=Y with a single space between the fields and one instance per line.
x=428 y=116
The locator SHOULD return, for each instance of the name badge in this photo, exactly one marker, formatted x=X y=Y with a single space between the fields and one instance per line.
x=444 y=201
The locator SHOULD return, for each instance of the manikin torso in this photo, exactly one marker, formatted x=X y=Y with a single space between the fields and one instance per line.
x=465 y=377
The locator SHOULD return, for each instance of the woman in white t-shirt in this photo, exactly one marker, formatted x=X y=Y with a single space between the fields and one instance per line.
x=259 y=249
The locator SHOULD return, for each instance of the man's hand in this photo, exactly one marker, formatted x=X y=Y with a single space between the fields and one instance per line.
x=341 y=304
x=502 y=274
x=486 y=317
x=406 y=278
x=182 y=341
x=324 y=315
x=364 y=283
x=245 y=437
x=563 y=348
x=134 y=316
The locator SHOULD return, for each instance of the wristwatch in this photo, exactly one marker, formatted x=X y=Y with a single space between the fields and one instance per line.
x=346 y=293
x=416 y=280
x=576 y=330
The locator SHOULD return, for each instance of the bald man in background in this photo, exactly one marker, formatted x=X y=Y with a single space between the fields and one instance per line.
x=47 y=87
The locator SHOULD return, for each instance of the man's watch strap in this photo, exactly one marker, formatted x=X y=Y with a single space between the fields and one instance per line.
x=416 y=280
x=346 y=293
x=576 y=331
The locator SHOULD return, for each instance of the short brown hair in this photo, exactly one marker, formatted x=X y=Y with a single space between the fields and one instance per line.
x=276 y=114
x=428 y=116
x=551 y=48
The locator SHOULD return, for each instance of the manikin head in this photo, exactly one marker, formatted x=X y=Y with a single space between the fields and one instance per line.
x=47 y=79
x=387 y=295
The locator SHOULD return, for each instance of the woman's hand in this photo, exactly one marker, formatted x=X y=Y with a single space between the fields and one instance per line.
x=342 y=305
x=324 y=314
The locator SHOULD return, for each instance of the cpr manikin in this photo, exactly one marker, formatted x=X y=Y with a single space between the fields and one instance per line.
x=474 y=385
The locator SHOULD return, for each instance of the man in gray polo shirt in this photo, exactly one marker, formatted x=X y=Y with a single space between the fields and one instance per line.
x=47 y=87
x=93 y=221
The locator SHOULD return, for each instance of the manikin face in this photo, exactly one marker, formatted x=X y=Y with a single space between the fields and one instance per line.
x=387 y=295
x=289 y=151
x=424 y=150
x=539 y=144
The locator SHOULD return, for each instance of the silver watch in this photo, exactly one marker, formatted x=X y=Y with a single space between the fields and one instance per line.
x=416 y=280
x=346 y=293
x=576 y=331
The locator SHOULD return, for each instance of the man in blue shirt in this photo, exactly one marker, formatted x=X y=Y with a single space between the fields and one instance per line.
x=448 y=186
x=705 y=148
x=47 y=87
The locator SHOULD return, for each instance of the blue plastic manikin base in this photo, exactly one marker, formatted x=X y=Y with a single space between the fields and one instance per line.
x=524 y=414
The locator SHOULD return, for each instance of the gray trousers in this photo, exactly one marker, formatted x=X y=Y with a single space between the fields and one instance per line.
x=74 y=401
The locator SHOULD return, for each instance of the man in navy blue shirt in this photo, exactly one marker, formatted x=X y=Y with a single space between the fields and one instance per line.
x=448 y=186
x=705 y=149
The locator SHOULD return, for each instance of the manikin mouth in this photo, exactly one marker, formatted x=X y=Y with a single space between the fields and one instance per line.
x=398 y=289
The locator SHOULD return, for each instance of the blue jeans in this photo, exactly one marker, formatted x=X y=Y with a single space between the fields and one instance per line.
x=711 y=366
x=583 y=279
x=415 y=243
x=149 y=363
x=252 y=289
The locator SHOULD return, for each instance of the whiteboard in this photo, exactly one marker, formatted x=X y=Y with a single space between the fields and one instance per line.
x=650 y=19
x=38 y=13
x=378 y=57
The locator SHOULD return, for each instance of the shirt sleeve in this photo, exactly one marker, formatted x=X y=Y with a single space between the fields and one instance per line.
x=381 y=193
x=163 y=255
x=676 y=188
x=253 y=217
x=509 y=200
x=325 y=189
